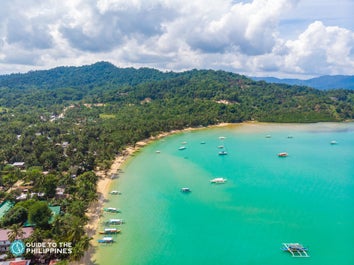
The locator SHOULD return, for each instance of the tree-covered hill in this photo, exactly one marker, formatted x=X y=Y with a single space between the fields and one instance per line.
x=98 y=74
x=68 y=121
x=111 y=107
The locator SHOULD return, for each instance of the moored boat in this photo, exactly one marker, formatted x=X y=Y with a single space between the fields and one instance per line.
x=114 y=222
x=185 y=190
x=218 y=180
x=222 y=153
x=334 y=142
x=297 y=250
x=283 y=154
x=115 y=192
x=182 y=148
x=111 y=210
x=108 y=231
x=106 y=240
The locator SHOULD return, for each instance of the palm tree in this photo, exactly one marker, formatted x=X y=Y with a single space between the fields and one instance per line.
x=80 y=247
x=15 y=232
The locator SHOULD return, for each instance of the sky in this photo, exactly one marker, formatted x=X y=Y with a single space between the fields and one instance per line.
x=280 y=38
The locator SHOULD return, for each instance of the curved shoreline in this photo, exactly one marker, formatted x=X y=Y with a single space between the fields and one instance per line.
x=104 y=183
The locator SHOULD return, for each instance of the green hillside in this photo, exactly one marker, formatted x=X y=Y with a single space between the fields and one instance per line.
x=65 y=122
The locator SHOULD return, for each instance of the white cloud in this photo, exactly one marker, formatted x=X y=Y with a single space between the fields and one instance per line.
x=241 y=36
x=322 y=50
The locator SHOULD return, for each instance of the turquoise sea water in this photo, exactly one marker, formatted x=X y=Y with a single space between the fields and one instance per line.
x=307 y=197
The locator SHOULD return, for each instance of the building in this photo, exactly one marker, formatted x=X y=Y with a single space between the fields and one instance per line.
x=4 y=238
x=17 y=261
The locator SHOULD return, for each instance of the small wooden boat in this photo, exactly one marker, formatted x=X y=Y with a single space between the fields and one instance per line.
x=108 y=231
x=185 y=190
x=218 y=180
x=111 y=210
x=114 y=222
x=283 y=154
x=296 y=250
x=106 y=240
x=115 y=192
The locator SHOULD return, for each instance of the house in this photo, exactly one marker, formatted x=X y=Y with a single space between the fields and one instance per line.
x=17 y=261
x=19 y=164
x=60 y=192
x=4 y=238
x=5 y=207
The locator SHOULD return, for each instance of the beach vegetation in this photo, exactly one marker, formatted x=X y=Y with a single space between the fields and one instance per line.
x=65 y=123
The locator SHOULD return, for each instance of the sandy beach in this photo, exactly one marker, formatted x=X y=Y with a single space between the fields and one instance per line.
x=103 y=187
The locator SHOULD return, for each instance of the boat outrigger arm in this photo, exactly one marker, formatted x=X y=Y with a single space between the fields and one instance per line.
x=297 y=250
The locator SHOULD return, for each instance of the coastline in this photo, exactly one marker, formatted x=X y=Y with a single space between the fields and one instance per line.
x=103 y=186
x=104 y=183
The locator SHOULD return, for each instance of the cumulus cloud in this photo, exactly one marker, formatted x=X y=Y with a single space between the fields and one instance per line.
x=241 y=36
x=321 y=49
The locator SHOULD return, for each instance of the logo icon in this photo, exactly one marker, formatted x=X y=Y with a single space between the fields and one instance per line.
x=17 y=248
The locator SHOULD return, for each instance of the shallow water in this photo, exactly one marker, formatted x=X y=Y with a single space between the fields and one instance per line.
x=306 y=197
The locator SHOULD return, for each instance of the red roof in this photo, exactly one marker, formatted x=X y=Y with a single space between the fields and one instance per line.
x=4 y=236
x=19 y=262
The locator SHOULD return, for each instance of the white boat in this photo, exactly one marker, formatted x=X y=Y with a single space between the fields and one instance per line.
x=218 y=180
x=283 y=154
x=111 y=210
x=186 y=190
x=108 y=231
x=222 y=137
x=297 y=250
x=115 y=192
x=334 y=142
x=182 y=148
x=158 y=152
x=106 y=239
x=115 y=221
x=222 y=153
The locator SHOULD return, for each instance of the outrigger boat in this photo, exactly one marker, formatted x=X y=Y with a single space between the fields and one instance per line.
x=106 y=240
x=297 y=250
x=218 y=180
x=111 y=210
x=115 y=192
x=222 y=153
x=185 y=190
x=182 y=148
x=108 y=231
x=283 y=154
x=114 y=222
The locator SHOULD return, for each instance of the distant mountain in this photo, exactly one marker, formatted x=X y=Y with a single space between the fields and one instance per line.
x=98 y=74
x=322 y=82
